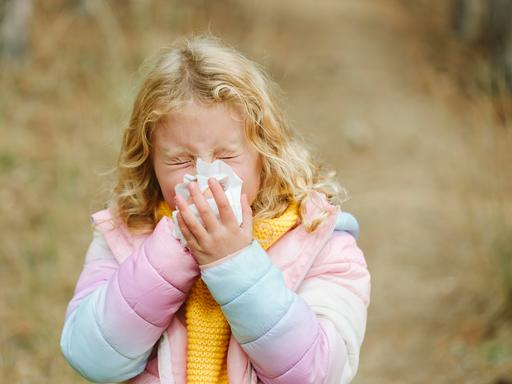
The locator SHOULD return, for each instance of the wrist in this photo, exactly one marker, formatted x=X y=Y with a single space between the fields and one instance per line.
x=205 y=263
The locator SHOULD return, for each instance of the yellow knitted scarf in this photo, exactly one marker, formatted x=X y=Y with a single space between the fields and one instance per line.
x=207 y=330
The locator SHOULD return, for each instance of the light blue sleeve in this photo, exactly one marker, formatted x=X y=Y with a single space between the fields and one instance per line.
x=89 y=352
x=251 y=292
x=274 y=326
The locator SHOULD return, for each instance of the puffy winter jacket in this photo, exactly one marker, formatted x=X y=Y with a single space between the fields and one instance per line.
x=297 y=311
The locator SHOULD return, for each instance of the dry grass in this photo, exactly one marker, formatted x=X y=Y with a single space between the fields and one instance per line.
x=428 y=165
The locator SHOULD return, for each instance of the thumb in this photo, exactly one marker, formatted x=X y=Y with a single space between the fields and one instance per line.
x=246 y=213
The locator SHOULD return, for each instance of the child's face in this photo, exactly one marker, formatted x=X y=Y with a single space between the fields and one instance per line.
x=206 y=132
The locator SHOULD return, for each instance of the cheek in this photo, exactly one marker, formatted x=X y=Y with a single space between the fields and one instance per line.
x=251 y=177
x=251 y=188
x=167 y=182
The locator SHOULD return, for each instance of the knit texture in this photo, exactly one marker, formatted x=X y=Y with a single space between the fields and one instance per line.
x=208 y=331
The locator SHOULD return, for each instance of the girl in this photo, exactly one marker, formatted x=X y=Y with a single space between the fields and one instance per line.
x=281 y=298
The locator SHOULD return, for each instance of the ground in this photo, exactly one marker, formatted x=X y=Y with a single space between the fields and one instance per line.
x=371 y=85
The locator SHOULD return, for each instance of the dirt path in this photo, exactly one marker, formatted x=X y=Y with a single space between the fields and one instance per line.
x=404 y=153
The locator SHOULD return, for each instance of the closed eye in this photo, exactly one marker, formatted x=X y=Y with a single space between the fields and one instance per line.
x=227 y=157
x=179 y=162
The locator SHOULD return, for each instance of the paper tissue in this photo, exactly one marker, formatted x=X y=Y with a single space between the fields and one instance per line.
x=231 y=183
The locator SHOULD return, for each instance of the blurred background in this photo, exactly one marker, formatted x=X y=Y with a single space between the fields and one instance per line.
x=410 y=101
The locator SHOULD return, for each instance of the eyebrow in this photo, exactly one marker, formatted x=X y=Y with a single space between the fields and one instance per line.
x=173 y=151
x=181 y=151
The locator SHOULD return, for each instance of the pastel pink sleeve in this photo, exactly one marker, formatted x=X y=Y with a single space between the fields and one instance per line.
x=119 y=312
x=148 y=288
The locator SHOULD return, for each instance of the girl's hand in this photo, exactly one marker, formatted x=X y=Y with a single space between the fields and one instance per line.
x=217 y=238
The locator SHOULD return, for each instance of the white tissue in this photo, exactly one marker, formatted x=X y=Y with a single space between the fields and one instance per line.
x=231 y=183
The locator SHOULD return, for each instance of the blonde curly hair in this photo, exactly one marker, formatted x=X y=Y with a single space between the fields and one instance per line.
x=205 y=68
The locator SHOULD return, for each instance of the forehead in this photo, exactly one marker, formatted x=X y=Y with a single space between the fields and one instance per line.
x=197 y=126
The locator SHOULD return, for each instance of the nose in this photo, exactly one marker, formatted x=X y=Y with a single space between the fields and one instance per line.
x=207 y=158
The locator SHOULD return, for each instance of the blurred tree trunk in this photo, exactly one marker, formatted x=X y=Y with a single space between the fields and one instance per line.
x=15 y=16
x=488 y=23
x=500 y=37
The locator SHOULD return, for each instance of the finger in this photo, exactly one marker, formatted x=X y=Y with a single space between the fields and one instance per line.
x=225 y=211
x=189 y=237
x=246 y=213
x=203 y=208
x=192 y=223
